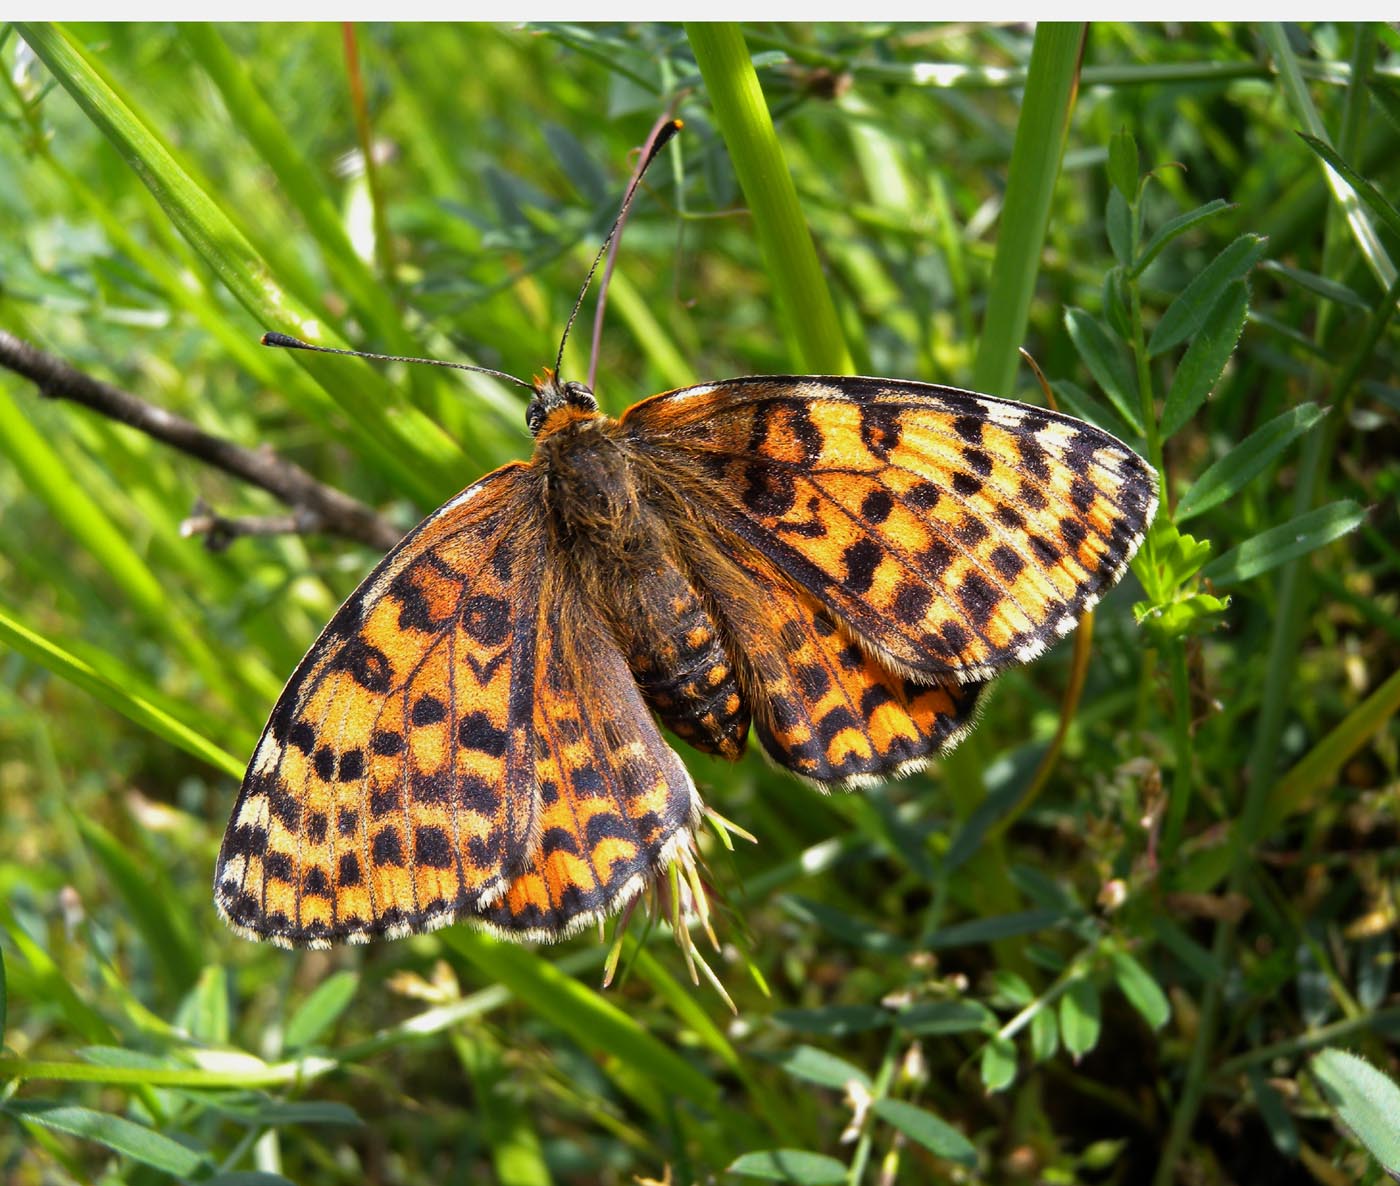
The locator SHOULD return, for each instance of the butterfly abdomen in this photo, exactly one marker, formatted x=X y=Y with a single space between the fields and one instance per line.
x=676 y=652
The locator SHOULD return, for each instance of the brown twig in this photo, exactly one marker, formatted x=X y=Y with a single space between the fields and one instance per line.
x=315 y=505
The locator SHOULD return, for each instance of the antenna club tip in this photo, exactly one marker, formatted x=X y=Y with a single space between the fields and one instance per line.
x=273 y=338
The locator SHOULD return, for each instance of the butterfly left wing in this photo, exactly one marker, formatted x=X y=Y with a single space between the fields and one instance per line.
x=393 y=788
x=954 y=533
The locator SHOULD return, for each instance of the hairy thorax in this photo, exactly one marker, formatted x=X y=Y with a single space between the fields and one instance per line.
x=613 y=517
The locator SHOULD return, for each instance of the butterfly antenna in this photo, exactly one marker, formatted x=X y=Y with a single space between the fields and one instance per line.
x=659 y=139
x=290 y=343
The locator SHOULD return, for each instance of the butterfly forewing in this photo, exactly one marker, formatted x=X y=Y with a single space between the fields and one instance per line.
x=955 y=533
x=394 y=786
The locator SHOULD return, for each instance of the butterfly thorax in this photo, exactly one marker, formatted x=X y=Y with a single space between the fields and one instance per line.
x=612 y=516
x=591 y=489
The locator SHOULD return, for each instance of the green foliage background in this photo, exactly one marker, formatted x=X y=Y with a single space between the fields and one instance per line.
x=1096 y=944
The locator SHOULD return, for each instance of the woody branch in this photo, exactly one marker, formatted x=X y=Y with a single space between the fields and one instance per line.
x=314 y=505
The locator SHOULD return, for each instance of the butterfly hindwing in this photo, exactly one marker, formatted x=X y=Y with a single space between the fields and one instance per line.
x=956 y=533
x=394 y=786
x=830 y=712
x=615 y=798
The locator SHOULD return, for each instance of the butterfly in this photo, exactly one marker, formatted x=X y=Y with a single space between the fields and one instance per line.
x=836 y=564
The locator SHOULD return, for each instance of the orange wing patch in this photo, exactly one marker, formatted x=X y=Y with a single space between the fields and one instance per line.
x=394 y=786
x=615 y=799
x=954 y=532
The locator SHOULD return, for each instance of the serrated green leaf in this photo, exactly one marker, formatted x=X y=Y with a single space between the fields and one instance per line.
x=1366 y=1101
x=817 y=1066
x=319 y=1011
x=790 y=1165
x=1080 y=1017
x=1143 y=993
x=1107 y=361
x=1077 y=402
x=998 y=1064
x=1173 y=228
x=1188 y=312
x=1195 y=613
x=1247 y=460
x=928 y=1130
x=1278 y=545
x=1204 y=361
x=1123 y=164
x=114 y=1132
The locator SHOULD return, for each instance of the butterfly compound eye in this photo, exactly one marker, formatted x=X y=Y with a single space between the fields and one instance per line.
x=579 y=395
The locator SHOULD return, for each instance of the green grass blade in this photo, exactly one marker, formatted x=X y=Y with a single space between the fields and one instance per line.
x=1041 y=130
x=120 y=697
x=1300 y=101
x=593 y=1022
x=49 y=477
x=742 y=115
x=409 y=446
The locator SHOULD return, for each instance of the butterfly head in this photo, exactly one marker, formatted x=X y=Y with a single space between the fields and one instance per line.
x=550 y=395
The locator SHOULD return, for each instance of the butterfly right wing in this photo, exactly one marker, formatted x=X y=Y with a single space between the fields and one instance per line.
x=394 y=787
x=955 y=533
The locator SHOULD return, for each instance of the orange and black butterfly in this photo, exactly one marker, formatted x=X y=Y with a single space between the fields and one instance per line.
x=837 y=563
